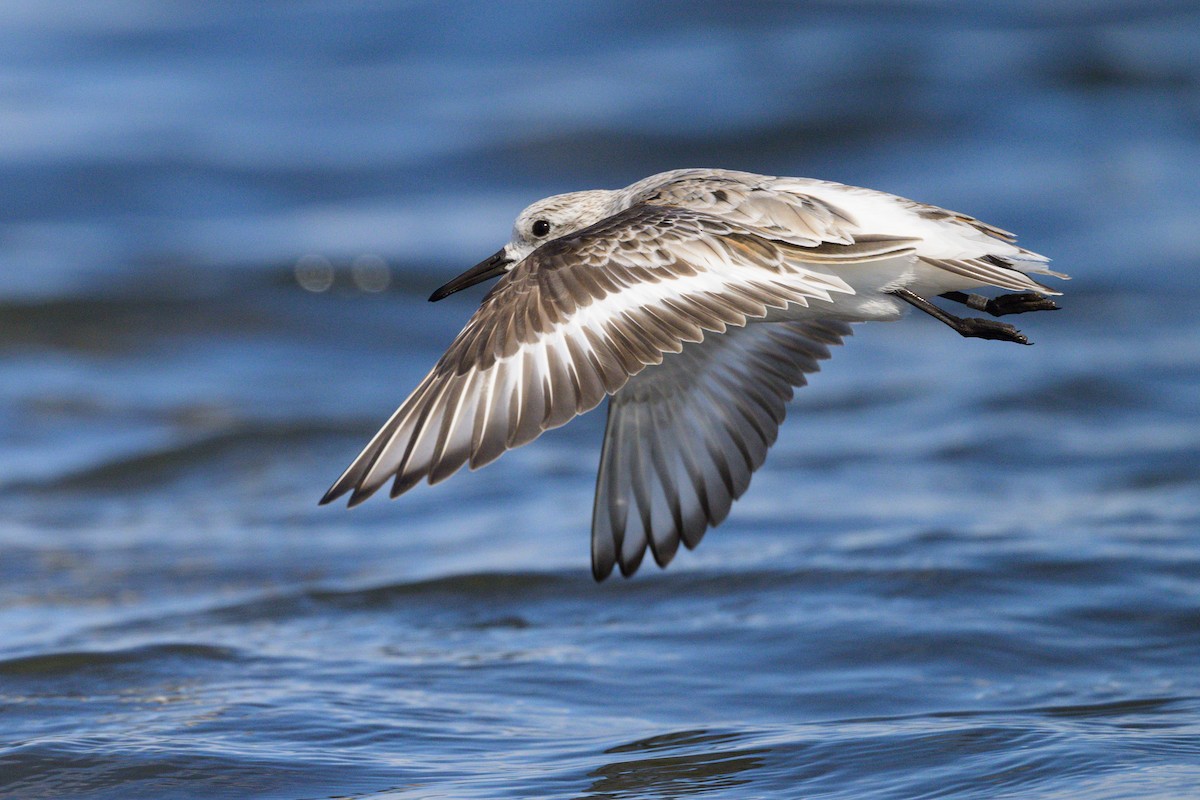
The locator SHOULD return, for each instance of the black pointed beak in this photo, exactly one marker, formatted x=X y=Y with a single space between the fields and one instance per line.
x=492 y=267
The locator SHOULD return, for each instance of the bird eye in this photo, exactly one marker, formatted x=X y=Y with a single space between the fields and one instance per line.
x=540 y=227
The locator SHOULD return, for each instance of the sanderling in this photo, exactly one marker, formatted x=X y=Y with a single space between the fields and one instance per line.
x=696 y=300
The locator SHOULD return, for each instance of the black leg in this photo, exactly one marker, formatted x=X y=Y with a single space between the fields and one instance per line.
x=1005 y=303
x=966 y=326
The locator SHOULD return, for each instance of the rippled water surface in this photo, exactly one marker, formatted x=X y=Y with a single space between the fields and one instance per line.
x=968 y=569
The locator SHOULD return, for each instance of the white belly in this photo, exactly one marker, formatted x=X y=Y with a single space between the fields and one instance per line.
x=872 y=281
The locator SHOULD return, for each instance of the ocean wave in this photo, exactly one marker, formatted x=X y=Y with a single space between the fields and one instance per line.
x=148 y=658
x=151 y=469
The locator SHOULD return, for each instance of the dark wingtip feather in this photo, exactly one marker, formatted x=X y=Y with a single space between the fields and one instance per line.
x=630 y=566
x=402 y=482
x=359 y=496
x=600 y=571
x=339 y=488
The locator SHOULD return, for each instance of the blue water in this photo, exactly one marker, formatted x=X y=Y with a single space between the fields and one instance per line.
x=968 y=569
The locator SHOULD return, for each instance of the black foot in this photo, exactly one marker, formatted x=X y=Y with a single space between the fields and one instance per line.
x=977 y=328
x=972 y=327
x=1020 y=303
x=1004 y=304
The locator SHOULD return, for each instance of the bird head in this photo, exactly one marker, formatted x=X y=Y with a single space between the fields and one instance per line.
x=547 y=219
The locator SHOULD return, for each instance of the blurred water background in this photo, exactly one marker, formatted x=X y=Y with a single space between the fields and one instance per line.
x=969 y=569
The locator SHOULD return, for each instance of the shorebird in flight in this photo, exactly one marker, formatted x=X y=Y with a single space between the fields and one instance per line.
x=695 y=300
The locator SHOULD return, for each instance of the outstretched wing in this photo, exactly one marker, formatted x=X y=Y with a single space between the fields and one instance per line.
x=573 y=322
x=683 y=439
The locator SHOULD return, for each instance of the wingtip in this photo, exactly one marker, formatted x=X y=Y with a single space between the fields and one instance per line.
x=358 y=497
x=402 y=483
x=628 y=568
x=333 y=493
x=338 y=493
